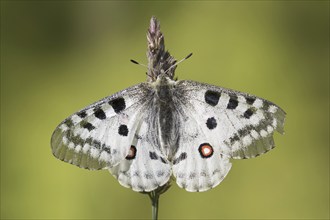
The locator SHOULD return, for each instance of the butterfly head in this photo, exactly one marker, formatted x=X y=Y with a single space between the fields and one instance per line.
x=160 y=62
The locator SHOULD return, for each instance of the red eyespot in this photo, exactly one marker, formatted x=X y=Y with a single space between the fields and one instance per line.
x=205 y=150
x=132 y=153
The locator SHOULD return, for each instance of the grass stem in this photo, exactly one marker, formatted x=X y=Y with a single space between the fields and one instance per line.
x=154 y=196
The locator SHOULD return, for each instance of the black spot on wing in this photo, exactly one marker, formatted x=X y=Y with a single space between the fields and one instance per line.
x=265 y=106
x=153 y=155
x=211 y=123
x=82 y=114
x=212 y=97
x=250 y=100
x=87 y=125
x=118 y=104
x=180 y=158
x=99 y=113
x=97 y=144
x=68 y=122
x=163 y=160
x=234 y=138
x=123 y=130
x=233 y=103
x=244 y=131
x=107 y=150
x=248 y=113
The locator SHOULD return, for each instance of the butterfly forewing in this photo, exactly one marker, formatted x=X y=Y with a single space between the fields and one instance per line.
x=242 y=125
x=100 y=135
x=217 y=124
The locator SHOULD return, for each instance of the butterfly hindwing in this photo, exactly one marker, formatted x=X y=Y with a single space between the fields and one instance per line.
x=145 y=168
x=100 y=135
x=199 y=164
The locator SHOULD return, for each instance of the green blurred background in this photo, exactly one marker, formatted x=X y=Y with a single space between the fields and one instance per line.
x=58 y=57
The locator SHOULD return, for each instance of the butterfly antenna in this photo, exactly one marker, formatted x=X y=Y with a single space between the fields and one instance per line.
x=177 y=63
x=141 y=64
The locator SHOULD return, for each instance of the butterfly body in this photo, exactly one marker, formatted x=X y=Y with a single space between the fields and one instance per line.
x=162 y=128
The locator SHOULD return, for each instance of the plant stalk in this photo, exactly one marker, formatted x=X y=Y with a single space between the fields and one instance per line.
x=154 y=196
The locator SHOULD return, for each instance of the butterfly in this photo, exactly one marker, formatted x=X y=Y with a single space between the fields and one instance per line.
x=163 y=128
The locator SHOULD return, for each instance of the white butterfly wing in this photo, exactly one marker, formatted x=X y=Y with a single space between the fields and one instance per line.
x=100 y=135
x=198 y=164
x=146 y=168
x=233 y=124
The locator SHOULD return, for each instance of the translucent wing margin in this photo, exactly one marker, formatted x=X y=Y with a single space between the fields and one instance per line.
x=100 y=135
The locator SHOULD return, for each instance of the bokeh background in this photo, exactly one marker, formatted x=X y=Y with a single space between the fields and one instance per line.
x=58 y=57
